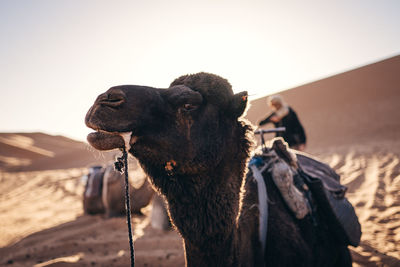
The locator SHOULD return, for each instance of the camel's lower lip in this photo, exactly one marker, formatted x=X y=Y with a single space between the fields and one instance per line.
x=102 y=140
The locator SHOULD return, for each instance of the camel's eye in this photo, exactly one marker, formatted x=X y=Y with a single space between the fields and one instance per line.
x=189 y=107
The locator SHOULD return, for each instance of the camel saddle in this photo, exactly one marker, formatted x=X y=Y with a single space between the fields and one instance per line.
x=321 y=188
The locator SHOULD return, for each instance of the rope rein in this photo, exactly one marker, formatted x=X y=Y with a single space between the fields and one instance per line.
x=121 y=165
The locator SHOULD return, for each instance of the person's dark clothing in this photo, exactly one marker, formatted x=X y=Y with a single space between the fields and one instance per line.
x=294 y=134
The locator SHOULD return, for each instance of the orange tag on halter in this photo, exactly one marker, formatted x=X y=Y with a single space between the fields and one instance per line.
x=169 y=166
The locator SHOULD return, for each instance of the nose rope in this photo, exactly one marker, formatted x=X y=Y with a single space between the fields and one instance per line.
x=121 y=165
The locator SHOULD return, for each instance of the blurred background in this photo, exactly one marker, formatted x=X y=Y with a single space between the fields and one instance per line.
x=336 y=63
x=57 y=56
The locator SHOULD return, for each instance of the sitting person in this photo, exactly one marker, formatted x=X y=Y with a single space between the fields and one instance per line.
x=285 y=116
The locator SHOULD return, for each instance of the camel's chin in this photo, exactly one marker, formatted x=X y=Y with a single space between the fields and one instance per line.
x=105 y=141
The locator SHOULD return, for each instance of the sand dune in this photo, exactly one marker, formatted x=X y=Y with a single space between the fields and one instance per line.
x=39 y=151
x=44 y=208
x=38 y=200
x=372 y=175
x=352 y=121
x=354 y=107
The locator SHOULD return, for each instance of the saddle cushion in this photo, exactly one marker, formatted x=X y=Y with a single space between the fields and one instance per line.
x=324 y=183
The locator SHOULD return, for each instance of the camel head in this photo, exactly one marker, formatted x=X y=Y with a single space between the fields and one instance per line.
x=181 y=130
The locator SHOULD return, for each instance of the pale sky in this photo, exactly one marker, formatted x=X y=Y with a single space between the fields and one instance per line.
x=56 y=56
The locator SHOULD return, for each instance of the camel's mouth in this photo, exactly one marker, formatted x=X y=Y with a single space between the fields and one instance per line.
x=103 y=140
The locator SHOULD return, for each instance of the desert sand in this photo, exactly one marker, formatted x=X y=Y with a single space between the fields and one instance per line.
x=352 y=121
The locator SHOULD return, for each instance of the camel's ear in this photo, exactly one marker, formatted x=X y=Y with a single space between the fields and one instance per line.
x=238 y=104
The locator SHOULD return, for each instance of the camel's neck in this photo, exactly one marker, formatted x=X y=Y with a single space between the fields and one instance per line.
x=206 y=218
x=205 y=207
x=206 y=215
x=213 y=255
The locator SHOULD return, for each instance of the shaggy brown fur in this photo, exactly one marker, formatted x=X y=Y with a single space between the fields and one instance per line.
x=190 y=142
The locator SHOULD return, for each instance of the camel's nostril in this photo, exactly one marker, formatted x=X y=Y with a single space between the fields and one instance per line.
x=115 y=100
x=112 y=103
x=112 y=100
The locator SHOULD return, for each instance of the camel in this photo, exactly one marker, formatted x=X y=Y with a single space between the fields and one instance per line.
x=192 y=142
x=114 y=197
x=104 y=192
